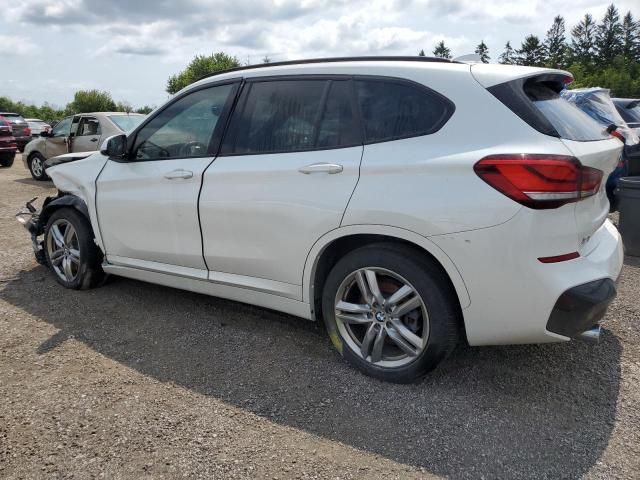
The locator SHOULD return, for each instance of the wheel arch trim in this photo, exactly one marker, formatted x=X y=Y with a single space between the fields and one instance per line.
x=320 y=246
x=67 y=200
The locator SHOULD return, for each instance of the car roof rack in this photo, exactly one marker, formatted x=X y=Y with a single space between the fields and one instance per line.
x=335 y=60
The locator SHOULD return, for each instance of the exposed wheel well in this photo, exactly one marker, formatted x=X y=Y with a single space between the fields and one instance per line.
x=31 y=155
x=341 y=246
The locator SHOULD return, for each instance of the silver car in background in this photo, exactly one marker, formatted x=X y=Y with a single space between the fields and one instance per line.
x=77 y=133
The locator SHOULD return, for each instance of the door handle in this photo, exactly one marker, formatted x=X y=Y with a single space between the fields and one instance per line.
x=94 y=139
x=329 y=168
x=176 y=174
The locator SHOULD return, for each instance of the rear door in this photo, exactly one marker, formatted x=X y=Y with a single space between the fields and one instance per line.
x=87 y=138
x=287 y=169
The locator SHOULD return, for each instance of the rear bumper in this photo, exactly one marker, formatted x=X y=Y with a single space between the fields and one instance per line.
x=581 y=307
x=514 y=296
x=22 y=141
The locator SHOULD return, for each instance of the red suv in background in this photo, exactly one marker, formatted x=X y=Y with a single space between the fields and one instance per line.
x=8 y=144
x=21 y=130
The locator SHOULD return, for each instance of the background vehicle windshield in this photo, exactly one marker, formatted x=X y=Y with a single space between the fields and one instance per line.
x=632 y=115
x=127 y=122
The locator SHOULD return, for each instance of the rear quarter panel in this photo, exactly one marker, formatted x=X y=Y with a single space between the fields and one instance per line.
x=427 y=184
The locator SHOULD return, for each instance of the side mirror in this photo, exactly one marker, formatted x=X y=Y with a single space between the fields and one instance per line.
x=45 y=133
x=115 y=147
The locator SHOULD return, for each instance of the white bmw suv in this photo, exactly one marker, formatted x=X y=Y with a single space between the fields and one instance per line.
x=409 y=203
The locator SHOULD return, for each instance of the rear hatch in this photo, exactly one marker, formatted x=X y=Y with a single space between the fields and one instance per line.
x=18 y=124
x=534 y=95
x=7 y=140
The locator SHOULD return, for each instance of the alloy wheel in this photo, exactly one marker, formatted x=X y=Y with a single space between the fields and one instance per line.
x=382 y=317
x=37 y=167
x=63 y=250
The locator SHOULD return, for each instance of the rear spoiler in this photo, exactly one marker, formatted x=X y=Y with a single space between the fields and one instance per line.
x=489 y=75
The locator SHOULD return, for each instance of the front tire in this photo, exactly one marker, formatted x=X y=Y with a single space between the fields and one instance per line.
x=391 y=312
x=70 y=251
x=36 y=166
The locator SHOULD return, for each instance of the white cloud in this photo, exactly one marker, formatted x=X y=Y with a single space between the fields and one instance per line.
x=155 y=38
x=12 y=45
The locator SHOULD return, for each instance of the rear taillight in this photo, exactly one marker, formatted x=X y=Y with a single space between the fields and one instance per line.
x=539 y=181
x=27 y=131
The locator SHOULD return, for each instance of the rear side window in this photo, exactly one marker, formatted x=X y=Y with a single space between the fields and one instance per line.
x=569 y=121
x=392 y=109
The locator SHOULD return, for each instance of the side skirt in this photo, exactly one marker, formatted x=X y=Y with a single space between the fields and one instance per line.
x=212 y=288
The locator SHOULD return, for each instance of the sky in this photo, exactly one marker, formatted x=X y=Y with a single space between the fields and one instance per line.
x=51 y=48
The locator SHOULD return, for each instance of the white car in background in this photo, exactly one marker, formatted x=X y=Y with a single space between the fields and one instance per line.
x=409 y=203
x=37 y=126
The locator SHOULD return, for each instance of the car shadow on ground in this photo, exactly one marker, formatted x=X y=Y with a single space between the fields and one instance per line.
x=35 y=183
x=516 y=411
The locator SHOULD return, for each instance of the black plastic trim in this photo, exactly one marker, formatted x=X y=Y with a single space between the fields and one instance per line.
x=580 y=308
x=513 y=96
x=51 y=204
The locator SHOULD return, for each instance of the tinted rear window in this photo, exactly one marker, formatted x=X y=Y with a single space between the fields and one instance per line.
x=569 y=121
x=13 y=117
x=393 y=109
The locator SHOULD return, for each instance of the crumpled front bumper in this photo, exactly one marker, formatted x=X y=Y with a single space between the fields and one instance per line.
x=30 y=219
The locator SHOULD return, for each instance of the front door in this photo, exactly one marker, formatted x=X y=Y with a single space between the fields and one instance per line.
x=287 y=168
x=57 y=143
x=87 y=137
x=147 y=205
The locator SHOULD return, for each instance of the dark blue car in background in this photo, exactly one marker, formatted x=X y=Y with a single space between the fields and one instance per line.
x=596 y=102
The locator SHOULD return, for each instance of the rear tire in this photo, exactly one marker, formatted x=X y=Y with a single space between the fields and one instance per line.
x=412 y=324
x=36 y=166
x=70 y=251
x=7 y=161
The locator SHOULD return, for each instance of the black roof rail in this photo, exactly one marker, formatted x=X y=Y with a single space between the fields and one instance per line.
x=335 y=60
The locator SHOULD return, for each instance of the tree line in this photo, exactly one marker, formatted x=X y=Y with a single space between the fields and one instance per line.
x=83 y=101
x=604 y=54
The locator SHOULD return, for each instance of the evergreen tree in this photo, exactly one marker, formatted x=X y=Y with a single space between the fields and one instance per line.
x=555 y=44
x=531 y=52
x=483 y=51
x=583 y=37
x=609 y=36
x=421 y=53
x=441 y=50
x=630 y=39
x=508 y=57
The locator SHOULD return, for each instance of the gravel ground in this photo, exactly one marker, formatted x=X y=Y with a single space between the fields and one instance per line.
x=134 y=380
